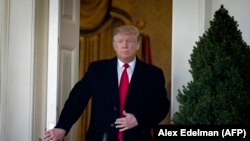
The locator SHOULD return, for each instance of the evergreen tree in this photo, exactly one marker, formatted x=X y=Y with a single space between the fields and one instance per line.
x=220 y=66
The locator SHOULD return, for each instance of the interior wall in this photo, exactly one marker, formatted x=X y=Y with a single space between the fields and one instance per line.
x=157 y=17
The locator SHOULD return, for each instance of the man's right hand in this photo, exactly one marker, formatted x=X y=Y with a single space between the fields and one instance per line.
x=55 y=134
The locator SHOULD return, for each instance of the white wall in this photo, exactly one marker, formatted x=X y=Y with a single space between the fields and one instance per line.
x=187 y=26
x=190 y=20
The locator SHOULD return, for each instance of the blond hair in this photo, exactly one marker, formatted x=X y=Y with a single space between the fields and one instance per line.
x=126 y=29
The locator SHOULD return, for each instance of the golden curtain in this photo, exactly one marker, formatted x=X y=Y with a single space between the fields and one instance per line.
x=97 y=15
x=92 y=13
x=98 y=18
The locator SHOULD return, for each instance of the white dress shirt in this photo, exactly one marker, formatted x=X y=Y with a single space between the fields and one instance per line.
x=120 y=69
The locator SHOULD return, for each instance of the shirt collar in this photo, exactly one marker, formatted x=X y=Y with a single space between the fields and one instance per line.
x=131 y=64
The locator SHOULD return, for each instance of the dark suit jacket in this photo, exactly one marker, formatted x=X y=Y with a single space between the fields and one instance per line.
x=146 y=99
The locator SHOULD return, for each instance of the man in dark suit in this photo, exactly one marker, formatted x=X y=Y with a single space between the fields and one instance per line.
x=112 y=118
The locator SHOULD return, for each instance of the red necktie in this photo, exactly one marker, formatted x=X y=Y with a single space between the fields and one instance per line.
x=123 y=88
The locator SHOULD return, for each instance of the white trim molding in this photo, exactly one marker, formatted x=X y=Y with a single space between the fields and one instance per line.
x=4 y=22
x=40 y=68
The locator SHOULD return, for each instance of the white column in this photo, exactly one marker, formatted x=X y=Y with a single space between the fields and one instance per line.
x=188 y=24
x=4 y=7
x=19 y=52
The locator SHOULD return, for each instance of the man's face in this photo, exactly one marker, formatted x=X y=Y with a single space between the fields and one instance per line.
x=125 y=46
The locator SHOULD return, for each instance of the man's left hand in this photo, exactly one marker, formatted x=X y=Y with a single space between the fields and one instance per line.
x=127 y=122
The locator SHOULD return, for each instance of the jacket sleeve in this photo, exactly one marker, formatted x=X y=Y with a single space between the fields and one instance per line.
x=76 y=103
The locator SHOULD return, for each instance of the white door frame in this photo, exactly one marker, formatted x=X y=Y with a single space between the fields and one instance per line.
x=63 y=52
x=52 y=75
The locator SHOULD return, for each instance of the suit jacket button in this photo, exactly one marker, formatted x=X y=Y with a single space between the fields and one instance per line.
x=112 y=125
x=115 y=108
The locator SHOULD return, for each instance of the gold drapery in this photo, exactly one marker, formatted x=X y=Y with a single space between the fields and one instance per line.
x=97 y=15
x=98 y=18
x=121 y=9
x=92 y=13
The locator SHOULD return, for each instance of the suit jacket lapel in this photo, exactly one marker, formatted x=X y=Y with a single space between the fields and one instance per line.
x=112 y=81
x=135 y=81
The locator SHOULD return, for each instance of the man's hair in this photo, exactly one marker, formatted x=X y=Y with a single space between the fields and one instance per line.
x=126 y=29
